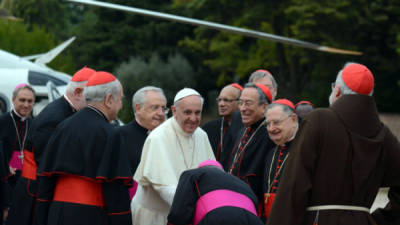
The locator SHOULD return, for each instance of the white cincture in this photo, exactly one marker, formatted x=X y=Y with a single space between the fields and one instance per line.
x=338 y=207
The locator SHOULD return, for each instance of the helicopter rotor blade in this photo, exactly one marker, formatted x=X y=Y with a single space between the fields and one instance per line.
x=221 y=27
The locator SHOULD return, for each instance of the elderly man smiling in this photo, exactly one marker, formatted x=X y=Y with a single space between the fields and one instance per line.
x=173 y=147
x=247 y=157
x=282 y=125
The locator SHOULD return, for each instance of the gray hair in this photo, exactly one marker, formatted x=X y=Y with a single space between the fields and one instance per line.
x=260 y=74
x=344 y=89
x=262 y=98
x=99 y=92
x=201 y=99
x=140 y=96
x=74 y=85
x=286 y=109
x=26 y=86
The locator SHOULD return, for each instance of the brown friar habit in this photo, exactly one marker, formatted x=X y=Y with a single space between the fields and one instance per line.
x=21 y=212
x=341 y=156
x=247 y=160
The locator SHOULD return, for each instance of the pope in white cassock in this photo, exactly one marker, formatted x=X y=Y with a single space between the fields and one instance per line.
x=173 y=147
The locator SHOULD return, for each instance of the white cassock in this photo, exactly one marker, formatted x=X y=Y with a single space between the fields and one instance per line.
x=167 y=152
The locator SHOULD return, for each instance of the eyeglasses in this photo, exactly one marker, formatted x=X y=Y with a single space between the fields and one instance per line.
x=276 y=123
x=269 y=86
x=154 y=108
x=247 y=103
x=225 y=100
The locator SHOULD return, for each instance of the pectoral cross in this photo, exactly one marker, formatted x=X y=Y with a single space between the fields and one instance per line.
x=266 y=198
x=21 y=157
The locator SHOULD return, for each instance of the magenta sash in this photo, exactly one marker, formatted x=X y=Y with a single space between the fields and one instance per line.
x=133 y=189
x=220 y=198
x=16 y=161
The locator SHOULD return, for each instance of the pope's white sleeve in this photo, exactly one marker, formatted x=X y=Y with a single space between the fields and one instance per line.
x=166 y=192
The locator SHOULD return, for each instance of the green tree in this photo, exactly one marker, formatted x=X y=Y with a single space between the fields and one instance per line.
x=51 y=15
x=170 y=75
x=368 y=26
x=108 y=37
x=17 y=39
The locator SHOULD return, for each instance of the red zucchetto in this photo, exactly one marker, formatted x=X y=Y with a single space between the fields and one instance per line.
x=83 y=74
x=266 y=91
x=305 y=103
x=264 y=71
x=100 y=78
x=286 y=102
x=358 y=78
x=236 y=85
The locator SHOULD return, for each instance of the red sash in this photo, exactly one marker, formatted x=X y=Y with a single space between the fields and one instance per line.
x=268 y=200
x=29 y=167
x=80 y=190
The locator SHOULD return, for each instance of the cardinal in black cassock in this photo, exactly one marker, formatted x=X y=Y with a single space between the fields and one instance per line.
x=42 y=128
x=247 y=159
x=82 y=176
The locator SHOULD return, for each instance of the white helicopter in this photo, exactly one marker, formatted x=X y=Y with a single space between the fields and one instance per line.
x=47 y=83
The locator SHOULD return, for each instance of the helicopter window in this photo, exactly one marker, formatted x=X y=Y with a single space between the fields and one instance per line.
x=41 y=79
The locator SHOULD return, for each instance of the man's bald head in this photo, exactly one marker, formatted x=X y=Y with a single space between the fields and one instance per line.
x=228 y=101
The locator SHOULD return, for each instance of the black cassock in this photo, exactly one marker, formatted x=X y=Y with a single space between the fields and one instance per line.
x=4 y=173
x=12 y=142
x=8 y=135
x=132 y=138
x=42 y=127
x=81 y=150
x=221 y=146
x=196 y=183
x=247 y=159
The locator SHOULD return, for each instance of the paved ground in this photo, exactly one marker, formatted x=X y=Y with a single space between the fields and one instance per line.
x=381 y=199
x=392 y=121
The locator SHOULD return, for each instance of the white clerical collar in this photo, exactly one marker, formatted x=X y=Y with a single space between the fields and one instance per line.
x=178 y=128
x=69 y=101
x=20 y=117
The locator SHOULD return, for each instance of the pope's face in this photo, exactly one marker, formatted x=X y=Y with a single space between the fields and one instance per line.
x=188 y=113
